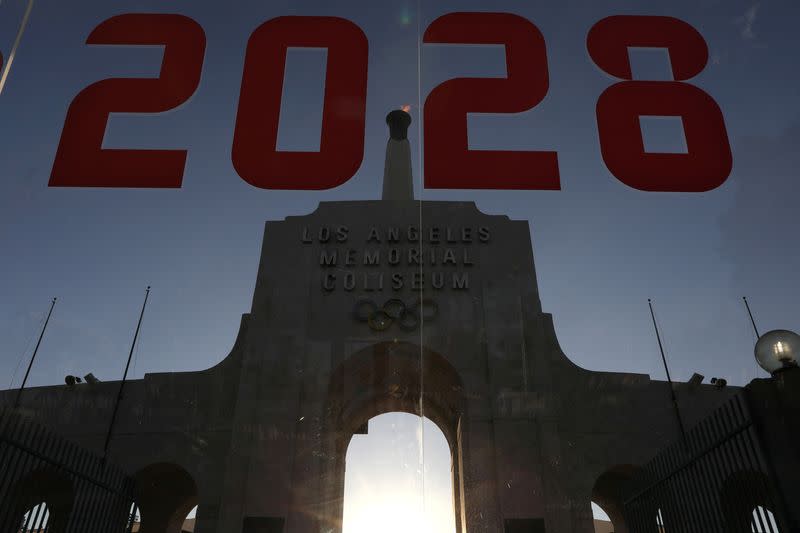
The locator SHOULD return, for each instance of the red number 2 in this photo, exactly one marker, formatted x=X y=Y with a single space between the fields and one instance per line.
x=449 y=164
x=708 y=161
x=81 y=161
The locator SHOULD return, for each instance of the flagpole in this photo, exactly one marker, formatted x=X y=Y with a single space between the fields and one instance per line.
x=666 y=369
x=752 y=321
x=125 y=375
x=35 y=351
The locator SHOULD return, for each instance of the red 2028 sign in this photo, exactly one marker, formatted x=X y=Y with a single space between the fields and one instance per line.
x=449 y=164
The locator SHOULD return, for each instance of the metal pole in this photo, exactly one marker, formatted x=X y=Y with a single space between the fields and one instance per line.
x=35 y=351
x=747 y=306
x=125 y=375
x=666 y=369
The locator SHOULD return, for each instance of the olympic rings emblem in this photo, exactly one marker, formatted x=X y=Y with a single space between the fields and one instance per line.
x=394 y=310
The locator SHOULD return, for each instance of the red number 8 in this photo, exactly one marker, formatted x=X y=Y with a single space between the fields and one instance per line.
x=708 y=161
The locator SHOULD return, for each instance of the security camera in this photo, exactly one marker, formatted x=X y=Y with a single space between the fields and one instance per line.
x=90 y=379
x=719 y=382
x=71 y=380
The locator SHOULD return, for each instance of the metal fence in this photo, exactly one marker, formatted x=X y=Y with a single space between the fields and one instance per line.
x=50 y=484
x=717 y=479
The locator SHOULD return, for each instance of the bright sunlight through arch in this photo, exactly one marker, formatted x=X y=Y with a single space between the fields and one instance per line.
x=391 y=486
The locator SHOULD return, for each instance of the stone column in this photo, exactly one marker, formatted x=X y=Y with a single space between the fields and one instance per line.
x=476 y=459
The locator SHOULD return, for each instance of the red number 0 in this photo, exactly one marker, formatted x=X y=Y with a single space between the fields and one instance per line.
x=81 y=161
x=255 y=155
x=708 y=161
x=449 y=164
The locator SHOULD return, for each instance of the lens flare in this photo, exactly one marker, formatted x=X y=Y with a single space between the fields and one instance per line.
x=405 y=17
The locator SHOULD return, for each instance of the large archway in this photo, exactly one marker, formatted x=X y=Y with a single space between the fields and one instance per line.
x=384 y=378
x=42 y=500
x=748 y=502
x=165 y=494
x=399 y=478
x=609 y=493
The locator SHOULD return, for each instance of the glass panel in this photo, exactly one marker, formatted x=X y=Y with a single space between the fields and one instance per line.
x=516 y=237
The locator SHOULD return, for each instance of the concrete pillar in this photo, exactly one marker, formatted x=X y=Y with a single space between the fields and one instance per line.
x=478 y=477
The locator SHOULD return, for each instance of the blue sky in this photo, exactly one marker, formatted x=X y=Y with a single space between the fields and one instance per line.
x=601 y=248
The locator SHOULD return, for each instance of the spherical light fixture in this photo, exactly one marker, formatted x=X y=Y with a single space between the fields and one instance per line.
x=777 y=350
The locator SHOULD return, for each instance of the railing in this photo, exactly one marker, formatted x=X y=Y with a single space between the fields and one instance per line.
x=717 y=479
x=48 y=483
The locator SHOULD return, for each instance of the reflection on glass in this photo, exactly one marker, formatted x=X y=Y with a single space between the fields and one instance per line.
x=6 y=62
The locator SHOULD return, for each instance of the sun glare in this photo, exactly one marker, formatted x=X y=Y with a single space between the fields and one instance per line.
x=395 y=513
x=391 y=486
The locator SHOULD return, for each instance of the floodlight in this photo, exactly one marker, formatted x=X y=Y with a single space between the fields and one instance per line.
x=778 y=350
